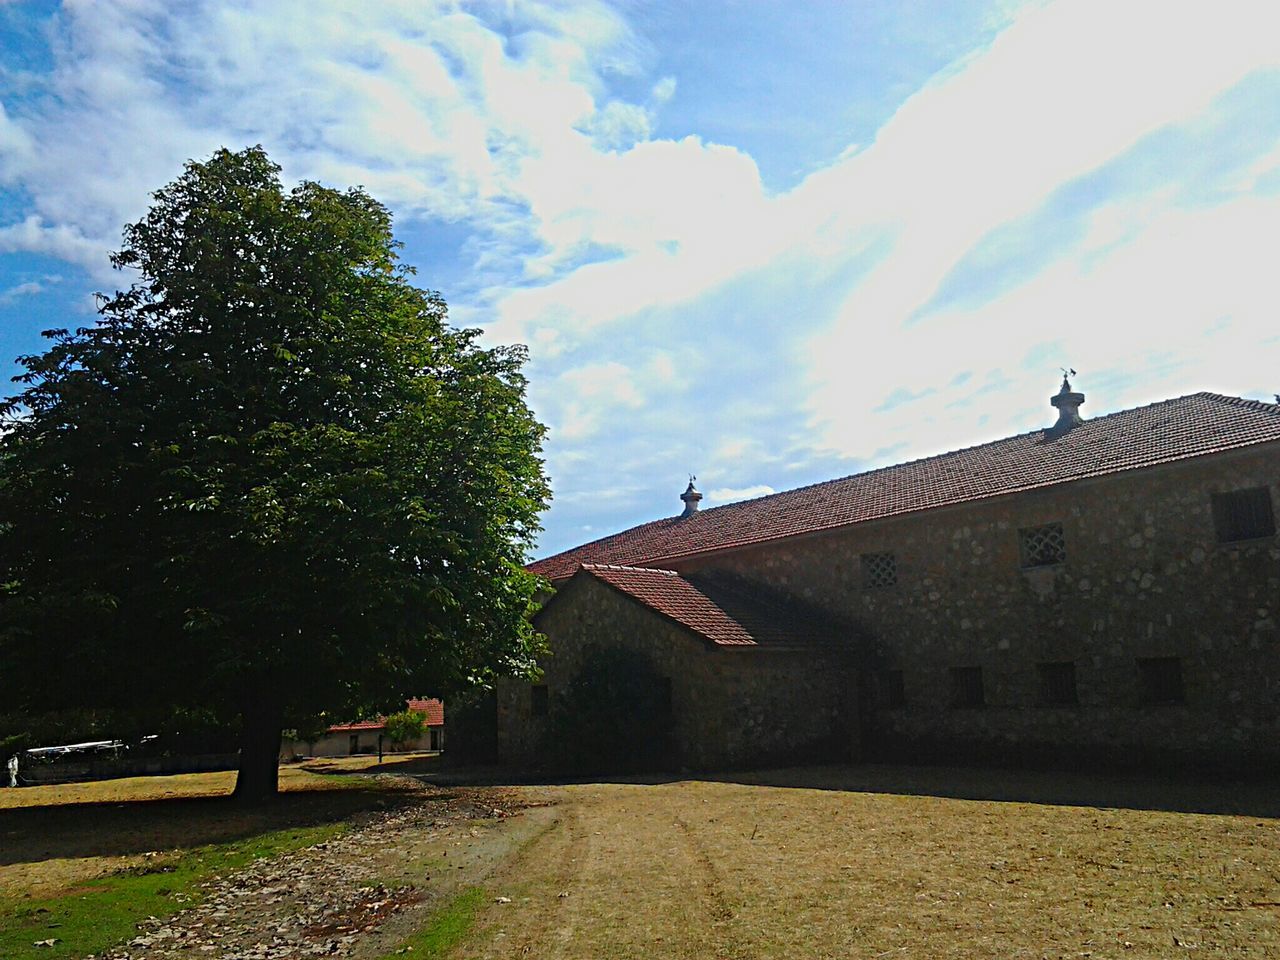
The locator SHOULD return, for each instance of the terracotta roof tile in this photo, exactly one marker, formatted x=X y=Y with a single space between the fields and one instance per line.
x=721 y=610
x=1162 y=432
x=434 y=709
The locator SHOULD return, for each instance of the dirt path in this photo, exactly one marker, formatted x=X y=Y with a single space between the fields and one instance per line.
x=355 y=896
x=702 y=870
x=615 y=875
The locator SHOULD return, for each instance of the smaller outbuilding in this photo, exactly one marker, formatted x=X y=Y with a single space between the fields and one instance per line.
x=369 y=736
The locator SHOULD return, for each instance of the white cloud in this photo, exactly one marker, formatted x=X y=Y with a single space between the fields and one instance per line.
x=64 y=241
x=1064 y=90
x=433 y=110
x=732 y=494
x=680 y=315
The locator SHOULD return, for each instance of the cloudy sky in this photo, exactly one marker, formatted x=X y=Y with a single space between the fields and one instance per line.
x=765 y=242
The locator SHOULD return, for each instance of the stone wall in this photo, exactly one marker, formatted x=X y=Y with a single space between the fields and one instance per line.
x=730 y=707
x=1143 y=576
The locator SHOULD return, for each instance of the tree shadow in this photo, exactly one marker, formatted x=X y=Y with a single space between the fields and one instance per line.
x=1168 y=793
x=341 y=766
x=1208 y=794
x=115 y=828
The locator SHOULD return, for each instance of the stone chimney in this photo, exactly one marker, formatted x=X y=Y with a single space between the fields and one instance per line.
x=690 y=497
x=1068 y=403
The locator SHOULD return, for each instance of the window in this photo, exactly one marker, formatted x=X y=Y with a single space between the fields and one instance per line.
x=539 y=699
x=1243 y=514
x=879 y=570
x=1057 y=684
x=1160 y=680
x=890 y=689
x=1042 y=546
x=966 y=687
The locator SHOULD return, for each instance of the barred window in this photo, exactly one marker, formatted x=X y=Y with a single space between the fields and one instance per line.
x=539 y=699
x=1160 y=680
x=966 y=687
x=1057 y=684
x=1243 y=515
x=879 y=570
x=891 y=690
x=1043 y=546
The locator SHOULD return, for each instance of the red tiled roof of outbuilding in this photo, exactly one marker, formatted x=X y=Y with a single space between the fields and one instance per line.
x=434 y=710
x=1171 y=430
x=719 y=610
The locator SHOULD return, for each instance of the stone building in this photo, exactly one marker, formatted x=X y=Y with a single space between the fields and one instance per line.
x=1102 y=591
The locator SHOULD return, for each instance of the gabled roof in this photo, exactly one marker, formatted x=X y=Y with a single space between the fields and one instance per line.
x=720 y=610
x=1171 y=430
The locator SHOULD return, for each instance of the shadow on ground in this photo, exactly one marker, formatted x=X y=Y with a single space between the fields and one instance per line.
x=413 y=765
x=113 y=828
x=1257 y=797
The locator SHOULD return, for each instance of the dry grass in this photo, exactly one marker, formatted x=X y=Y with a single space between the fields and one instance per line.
x=715 y=869
x=53 y=838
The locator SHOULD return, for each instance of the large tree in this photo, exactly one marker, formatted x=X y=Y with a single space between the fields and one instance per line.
x=271 y=480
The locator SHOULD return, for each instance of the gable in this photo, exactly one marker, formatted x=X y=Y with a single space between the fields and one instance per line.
x=721 y=612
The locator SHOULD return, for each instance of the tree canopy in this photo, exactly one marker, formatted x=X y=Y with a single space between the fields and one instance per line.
x=271 y=480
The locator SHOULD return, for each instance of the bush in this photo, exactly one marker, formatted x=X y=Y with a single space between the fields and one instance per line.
x=405 y=726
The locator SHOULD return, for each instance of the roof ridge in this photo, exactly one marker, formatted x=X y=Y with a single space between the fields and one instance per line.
x=905 y=463
x=627 y=568
x=1158 y=432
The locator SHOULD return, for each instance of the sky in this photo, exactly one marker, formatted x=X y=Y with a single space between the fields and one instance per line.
x=763 y=242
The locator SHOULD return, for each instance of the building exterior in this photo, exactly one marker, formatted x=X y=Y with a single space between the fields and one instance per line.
x=1103 y=591
x=368 y=736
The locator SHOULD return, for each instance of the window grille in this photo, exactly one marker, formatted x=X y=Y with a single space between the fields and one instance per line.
x=879 y=570
x=892 y=690
x=1160 y=680
x=539 y=700
x=1057 y=684
x=1043 y=546
x=966 y=687
x=1243 y=514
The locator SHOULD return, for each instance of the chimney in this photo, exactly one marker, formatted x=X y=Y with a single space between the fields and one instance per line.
x=1068 y=403
x=690 y=497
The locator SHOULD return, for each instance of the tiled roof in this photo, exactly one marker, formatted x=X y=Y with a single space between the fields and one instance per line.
x=434 y=710
x=1162 y=432
x=720 y=610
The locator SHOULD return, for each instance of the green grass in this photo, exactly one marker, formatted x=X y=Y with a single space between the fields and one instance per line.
x=106 y=911
x=447 y=927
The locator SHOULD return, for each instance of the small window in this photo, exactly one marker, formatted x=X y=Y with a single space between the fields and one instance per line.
x=1057 y=684
x=890 y=689
x=1243 y=515
x=1043 y=546
x=966 y=687
x=1160 y=680
x=539 y=699
x=879 y=570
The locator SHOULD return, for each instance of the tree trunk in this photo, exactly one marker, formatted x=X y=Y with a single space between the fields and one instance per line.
x=258 y=778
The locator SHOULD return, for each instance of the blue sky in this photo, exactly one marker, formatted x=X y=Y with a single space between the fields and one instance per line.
x=764 y=242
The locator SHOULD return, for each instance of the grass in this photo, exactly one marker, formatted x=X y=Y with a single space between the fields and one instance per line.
x=44 y=846
x=84 y=863
x=823 y=864
x=107 y=911
x=447 y=928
